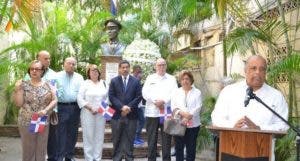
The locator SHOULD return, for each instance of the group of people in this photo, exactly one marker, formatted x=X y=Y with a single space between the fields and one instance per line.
x=44 y=91
x=77 y=100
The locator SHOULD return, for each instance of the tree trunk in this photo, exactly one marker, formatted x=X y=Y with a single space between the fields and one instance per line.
x=289 y=50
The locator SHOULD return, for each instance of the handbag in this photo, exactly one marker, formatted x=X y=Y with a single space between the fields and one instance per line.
x=174 y=127
x=53 y=118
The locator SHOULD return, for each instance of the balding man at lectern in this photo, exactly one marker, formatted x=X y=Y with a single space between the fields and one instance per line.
x=234 y=109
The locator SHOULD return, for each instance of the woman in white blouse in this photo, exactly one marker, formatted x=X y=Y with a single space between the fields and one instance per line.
x=186 y=103
x=91 y=93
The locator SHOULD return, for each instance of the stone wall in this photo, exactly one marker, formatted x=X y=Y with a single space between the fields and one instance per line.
x=210 y=70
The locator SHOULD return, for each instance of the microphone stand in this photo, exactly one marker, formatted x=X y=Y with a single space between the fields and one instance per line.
x=253 y=96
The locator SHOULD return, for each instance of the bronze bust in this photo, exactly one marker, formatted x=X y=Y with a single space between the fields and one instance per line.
x=113 y=47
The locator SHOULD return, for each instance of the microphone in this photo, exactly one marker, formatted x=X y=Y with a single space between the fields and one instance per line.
x=249 y=96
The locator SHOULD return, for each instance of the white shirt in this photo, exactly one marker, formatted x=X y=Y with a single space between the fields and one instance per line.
x=230 y=107
x=92 y=94
x=190 y=102
x=158 y=88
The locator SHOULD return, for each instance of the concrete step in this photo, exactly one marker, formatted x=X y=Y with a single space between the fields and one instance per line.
x=108 y=135
x=9 y=131
x=138 y=152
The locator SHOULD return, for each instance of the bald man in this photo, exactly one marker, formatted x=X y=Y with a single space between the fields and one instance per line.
x=157 y=92
x=230 y=110
x=68 y=111
x=44 y=57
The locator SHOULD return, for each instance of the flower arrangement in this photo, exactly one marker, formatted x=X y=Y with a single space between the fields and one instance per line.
x=142 y=52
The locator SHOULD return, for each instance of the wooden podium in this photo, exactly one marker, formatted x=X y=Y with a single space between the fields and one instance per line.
x=109 y=67
x=245 y=144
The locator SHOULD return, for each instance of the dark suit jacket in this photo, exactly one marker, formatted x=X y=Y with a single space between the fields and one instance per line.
x=131 y=97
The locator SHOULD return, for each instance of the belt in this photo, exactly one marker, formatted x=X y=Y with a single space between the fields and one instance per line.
x=67 y=103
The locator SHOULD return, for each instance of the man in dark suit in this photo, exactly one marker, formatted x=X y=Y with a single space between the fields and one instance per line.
x=124 y=95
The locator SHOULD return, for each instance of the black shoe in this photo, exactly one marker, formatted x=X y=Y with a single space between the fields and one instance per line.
x=157 y=154
x=173 y=153
x=69 y=159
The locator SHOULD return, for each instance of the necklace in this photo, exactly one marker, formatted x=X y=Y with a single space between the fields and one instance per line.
x=36 y=83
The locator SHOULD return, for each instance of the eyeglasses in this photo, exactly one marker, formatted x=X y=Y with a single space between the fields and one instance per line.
x=161 y=65
x=260 y=69
x=36 y=69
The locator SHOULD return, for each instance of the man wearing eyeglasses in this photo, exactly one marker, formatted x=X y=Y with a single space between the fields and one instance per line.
x=68 y=110
x=231 y=111
x=157 y=92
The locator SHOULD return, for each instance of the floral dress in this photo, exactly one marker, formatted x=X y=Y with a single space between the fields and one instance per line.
x=36 y=98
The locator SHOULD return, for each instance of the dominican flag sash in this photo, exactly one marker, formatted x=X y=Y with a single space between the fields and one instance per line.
x=37 y=123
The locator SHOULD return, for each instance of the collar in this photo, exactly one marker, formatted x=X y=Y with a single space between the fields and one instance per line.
x=127 y=77
x=161 y=77
x=257 y=92
x=113 y=42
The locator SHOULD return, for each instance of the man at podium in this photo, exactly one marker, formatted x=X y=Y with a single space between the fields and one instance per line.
x=234 y=109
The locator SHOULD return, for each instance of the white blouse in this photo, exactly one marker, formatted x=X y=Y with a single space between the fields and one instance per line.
x=190 y=102
x=92 y=93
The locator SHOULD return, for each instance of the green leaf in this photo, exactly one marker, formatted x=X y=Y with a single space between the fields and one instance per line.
x=290 y=64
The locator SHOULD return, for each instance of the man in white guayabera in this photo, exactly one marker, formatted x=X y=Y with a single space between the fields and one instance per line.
x=230 y=110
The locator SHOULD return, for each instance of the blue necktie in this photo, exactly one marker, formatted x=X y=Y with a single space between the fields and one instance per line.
x=124 y=83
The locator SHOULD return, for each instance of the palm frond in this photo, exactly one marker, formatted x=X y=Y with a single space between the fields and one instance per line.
x=24 y=10
x=290 y=64
x=242 y=39
x=274 y=29
x=3 y=10
x=220 y=7
x=237 y=8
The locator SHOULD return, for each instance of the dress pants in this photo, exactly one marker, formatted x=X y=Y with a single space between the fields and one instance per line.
x=93 y=127
x=52 y=143
x=68 y=122
x=34 y=146
x=141 y=122
x=152 y=126
x=188 y=141
x=123 y=133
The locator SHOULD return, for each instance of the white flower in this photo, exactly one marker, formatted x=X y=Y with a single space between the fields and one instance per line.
x=142 y=52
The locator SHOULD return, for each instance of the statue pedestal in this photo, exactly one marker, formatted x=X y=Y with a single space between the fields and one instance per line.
x=109 y=67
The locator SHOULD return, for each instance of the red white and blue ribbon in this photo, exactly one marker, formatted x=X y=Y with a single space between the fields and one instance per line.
x=106 y=111
x=164 y=114
x=37 y=123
